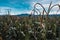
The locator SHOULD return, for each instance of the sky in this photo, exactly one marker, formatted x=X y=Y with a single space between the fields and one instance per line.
x=25 y=6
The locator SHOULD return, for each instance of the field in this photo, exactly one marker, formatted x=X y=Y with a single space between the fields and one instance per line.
x=29 y=27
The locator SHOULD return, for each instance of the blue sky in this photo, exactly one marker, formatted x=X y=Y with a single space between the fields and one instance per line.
x=23 y=6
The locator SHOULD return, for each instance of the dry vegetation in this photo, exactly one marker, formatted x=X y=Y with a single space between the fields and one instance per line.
x=29 y=28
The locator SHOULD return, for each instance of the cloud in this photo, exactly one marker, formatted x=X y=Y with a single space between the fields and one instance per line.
x=23 y=6
x=3 y=10
x=46 y=5
x=54 y=12
x=13 y=11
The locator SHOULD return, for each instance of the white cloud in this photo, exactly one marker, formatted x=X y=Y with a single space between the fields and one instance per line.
x=13 y=11
x=16 y=11
x=54 y=12
x=3 y=11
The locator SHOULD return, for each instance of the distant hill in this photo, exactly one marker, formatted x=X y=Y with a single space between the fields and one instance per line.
x=37 y=15
x=23 y=15
x=26 y=14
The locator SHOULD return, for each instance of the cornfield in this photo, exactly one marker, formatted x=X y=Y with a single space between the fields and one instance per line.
x=32 y=27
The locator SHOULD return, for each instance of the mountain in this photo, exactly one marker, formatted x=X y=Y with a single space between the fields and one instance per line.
x=37 y=15
x=23 y=15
